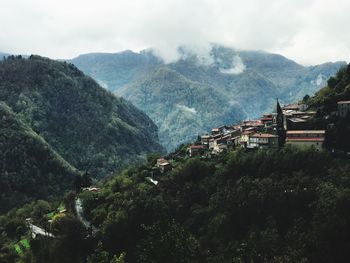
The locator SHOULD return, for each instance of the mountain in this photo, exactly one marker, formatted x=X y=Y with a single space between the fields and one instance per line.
x=112 y=71
x=92 y=129
x=29 y=167
x=195 y=93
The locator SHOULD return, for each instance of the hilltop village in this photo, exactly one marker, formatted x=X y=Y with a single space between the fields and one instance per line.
x=285 y=125
x=290 y=124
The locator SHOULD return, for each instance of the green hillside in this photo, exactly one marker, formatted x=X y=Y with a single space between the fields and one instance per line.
x=325 y=103
x=265 y=206
x=29 y=168
x=176 y=105
x=89 y=127
x=268 y=205
x=225 y=86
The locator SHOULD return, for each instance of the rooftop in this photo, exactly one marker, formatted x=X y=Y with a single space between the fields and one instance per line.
x=196 y=147
x=344 y=102
x=307 y=132
x=161 y=160
x=292 y=107
x=277 y=108
x=297 y=120
x=263 y=135
x=308 y=139
x=247 y=132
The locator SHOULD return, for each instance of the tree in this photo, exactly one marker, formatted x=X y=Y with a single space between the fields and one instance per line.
x=167 y=242
x=99 y=255
x=119 y=259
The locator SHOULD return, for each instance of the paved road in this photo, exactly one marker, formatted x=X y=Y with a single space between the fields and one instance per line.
x=152 y=181
x=39 y=231
x=80 y=215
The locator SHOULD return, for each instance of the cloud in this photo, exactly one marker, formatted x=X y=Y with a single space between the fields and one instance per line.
x=309 y=31
x=186 y=109
x=237 y=66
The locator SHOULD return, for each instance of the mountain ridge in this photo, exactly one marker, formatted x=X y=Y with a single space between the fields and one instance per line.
x=235 y=78
x=91 y=128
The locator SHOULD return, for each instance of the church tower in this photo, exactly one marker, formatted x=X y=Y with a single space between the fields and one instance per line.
x=278 y=124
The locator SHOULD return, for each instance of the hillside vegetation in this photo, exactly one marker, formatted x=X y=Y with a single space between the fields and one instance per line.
x=89 y=127
x=325 y=102
x=264 y=206
x=190 y=96
x=286 y=205
x=29 y=168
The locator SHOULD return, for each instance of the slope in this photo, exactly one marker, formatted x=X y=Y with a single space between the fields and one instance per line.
x=177 y=106
x=29 y=168
x=243 y=83
x=91 y=128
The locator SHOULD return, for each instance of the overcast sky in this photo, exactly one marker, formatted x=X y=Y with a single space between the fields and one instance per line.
x=308 y=31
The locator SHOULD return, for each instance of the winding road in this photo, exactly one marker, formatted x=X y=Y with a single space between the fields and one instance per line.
x=80 y=214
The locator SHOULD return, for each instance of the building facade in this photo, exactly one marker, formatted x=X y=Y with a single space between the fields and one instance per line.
x=263 y=140
x=306 y=138
x=343 y=108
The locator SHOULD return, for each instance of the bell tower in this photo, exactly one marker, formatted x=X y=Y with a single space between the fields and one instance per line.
x=278 y=124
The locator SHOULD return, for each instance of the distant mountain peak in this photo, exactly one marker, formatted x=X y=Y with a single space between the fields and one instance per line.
x=205 y=87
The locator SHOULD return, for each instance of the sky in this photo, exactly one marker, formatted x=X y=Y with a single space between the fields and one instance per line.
x=307 y=31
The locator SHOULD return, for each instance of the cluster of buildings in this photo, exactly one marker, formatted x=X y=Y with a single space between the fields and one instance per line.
x=285 y=125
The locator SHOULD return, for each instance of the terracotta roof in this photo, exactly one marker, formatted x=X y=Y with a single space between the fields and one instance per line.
x=247 y=132
x=252 y=123
x=196 y=147
x=291 y=107
x=263 y=135
x=266 y=119
x=307 y=132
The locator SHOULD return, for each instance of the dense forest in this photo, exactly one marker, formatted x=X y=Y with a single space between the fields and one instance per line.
x=266 y=206
x=29 y=168
x=89 y=127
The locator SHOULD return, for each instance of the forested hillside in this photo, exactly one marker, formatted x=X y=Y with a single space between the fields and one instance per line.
x=190 y=96
x=265 y=206
x=29 y=168
x=326 y=101
x=89 y=127
x=286 y=205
